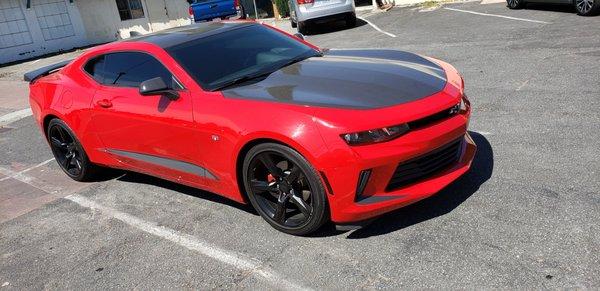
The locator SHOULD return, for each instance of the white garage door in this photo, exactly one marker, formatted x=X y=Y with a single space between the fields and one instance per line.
x=13 y=27
x=53 y=18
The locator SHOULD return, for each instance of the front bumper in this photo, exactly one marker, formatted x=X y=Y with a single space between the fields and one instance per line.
x=382 y=159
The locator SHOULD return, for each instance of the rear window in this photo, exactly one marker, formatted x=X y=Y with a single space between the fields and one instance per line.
x=222 y=57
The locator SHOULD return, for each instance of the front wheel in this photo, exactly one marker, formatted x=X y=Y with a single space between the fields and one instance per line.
x=284 y=189
x=587 y=7
x=515 y=4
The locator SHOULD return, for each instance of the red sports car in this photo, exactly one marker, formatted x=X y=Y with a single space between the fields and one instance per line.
x=241 y=109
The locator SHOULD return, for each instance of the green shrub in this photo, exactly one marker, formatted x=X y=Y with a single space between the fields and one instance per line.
x=282 y=7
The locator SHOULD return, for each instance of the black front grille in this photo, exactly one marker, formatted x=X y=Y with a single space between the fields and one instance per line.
x=413 y=170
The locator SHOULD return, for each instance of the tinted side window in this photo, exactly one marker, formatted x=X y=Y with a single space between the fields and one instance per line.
x=129 y=69
x=95 y=67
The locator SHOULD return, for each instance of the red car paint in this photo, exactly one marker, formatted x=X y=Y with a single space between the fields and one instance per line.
x=206 y=129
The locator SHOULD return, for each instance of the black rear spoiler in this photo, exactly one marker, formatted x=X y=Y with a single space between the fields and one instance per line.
x=43 y=71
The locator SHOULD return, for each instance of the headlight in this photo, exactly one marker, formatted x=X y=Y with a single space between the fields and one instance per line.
x=375 y=135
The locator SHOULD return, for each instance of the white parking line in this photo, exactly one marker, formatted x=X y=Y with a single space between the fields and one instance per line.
x=483 y=132
x=192 y=243
x=14 y=116
x=376 y=27
x=19 y=175
x=496 y=15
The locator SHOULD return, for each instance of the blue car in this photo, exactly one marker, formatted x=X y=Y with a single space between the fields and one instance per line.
x=206 y=10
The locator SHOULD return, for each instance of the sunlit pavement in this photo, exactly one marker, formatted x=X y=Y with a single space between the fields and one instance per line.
x=526 y=216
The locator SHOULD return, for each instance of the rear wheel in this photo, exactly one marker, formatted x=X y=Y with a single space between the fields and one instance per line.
x=515 y=4
x=68 y=152
x=292 y=16
x=302 y=27
x=284 y=189
x=587 y=7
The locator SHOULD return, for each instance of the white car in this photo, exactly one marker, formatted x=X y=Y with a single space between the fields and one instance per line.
x=304 y=13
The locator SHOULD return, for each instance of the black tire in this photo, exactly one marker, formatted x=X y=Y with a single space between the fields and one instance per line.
x=515 y=4
x=243 y=10
x=587 y=7
x=68 y=152
x=294 y=24
x=351 y=20
x=302 y=27
x=284 y=189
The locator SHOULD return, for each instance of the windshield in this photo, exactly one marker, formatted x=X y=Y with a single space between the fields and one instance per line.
x=219 y=59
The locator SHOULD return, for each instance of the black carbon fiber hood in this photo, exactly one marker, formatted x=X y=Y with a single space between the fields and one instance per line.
x=359 y=79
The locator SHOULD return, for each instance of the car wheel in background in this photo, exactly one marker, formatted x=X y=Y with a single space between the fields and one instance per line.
x=68 y=152
x=302 y=27
x=587 y=7
x=351 y=20
x=515 y=4
x=294 y=24
x=284 y=189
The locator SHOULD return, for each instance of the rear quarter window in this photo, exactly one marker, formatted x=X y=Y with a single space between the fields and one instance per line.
x=95 y=68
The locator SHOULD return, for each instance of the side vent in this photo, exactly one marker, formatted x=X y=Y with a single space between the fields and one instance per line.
x=363 y=179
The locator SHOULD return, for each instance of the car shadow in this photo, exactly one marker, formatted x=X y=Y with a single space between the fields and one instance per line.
x=331 y=27
x=442 y=203
x=134 y=177
x=437 y=205
x=551 y=7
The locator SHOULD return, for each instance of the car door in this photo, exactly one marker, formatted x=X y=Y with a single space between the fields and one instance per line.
x=152 y=134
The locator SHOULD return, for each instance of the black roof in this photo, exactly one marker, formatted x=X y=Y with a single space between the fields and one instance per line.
x=175 y=36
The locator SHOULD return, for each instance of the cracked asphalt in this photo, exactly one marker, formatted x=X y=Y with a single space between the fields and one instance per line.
x=526 y=216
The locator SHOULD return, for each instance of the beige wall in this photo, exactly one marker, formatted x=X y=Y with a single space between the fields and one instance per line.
x=102 y=22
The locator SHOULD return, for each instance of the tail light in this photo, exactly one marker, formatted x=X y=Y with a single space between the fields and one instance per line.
x=236 y=4
x=300 y=2
x=191 y=11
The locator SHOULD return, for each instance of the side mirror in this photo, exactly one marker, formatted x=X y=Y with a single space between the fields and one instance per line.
x=156 y=86
x=299 y=35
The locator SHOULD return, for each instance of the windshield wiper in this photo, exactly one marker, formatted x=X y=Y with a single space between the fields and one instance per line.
x=296 y=60
x=250 y=77
x=240 y=80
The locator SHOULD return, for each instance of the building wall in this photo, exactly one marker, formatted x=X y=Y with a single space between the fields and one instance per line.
x=47 y=26
x=107 y=26
x=54 y=25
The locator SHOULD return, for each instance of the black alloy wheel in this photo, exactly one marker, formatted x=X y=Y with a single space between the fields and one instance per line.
x=68 y=152
x=587 y=7
x=284 y=189
x=515 y=4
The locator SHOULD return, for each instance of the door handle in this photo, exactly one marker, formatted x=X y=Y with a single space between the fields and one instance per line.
x=105 y=103
x=213 y=6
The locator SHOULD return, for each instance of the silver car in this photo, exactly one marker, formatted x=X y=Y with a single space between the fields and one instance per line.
x=308 y=12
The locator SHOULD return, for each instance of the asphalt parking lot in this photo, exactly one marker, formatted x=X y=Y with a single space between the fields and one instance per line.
x=526 y=216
